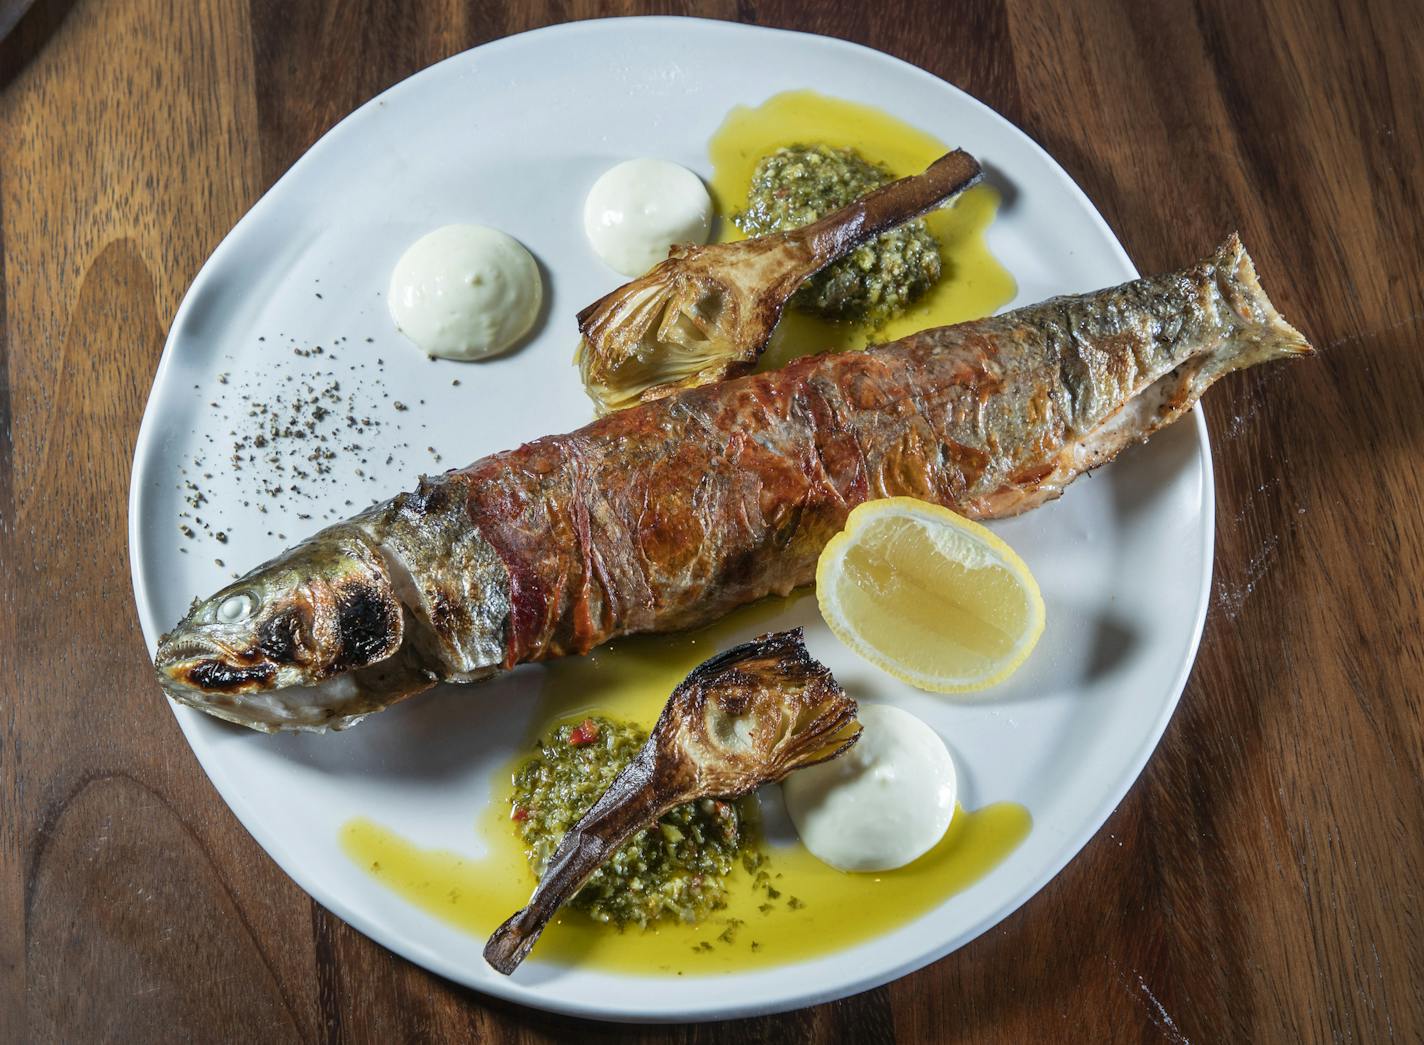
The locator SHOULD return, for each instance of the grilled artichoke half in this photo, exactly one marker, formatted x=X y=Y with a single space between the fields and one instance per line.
x=706 y=313
x=744 y=718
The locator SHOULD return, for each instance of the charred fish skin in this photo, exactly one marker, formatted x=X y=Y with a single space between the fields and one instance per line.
x=358 y=617
x=746 y=717
x=670 y=514
x=447 y=576
x=315 y=618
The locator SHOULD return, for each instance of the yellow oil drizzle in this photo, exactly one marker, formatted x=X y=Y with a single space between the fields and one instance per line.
x=832 y=910
x=974 y=284
x=819 y=910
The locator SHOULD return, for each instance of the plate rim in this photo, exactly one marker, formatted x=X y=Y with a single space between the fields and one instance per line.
x=509 y=990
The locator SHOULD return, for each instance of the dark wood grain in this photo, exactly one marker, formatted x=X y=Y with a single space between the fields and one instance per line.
x=1260 y=882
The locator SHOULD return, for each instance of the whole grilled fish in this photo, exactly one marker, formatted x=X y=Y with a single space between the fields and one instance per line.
x=670 y=514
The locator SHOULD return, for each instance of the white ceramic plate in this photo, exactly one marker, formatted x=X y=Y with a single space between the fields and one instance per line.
x=511 y=134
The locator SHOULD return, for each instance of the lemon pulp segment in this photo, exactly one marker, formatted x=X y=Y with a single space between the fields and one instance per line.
x=929 y=596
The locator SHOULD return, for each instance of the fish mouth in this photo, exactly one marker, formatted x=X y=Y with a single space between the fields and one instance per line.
x=197 y=669
x=176 y=651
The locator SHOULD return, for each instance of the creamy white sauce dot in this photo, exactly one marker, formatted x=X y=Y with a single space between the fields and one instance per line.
x=465 y=292
x=883 y=803
x=640 y=208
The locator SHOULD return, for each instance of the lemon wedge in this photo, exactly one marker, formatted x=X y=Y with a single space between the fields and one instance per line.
x=927 y=595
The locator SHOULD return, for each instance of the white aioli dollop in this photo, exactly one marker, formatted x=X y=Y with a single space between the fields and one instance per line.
x=640 y=208
x=883 y=803
x=465 y=292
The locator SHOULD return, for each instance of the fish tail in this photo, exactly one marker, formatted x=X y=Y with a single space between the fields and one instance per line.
x=1261 y=332
x=1250 y=331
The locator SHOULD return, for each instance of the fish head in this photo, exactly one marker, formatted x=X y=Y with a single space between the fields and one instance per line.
x=278 y=648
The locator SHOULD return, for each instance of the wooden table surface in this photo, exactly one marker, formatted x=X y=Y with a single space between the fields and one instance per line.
x=1261 y=882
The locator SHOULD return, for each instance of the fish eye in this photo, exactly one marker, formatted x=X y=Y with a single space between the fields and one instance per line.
x=235 y=608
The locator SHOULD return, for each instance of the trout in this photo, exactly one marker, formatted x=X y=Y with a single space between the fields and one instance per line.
x=669 y=514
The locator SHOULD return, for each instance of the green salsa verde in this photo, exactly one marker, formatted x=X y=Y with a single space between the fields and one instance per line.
x=676 y=869
x=798 y=184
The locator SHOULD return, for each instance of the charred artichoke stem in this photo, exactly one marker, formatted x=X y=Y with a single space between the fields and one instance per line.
x=885 y=208
x=632 y=801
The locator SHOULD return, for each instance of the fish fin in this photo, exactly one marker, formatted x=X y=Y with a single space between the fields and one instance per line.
x=1263 y=334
